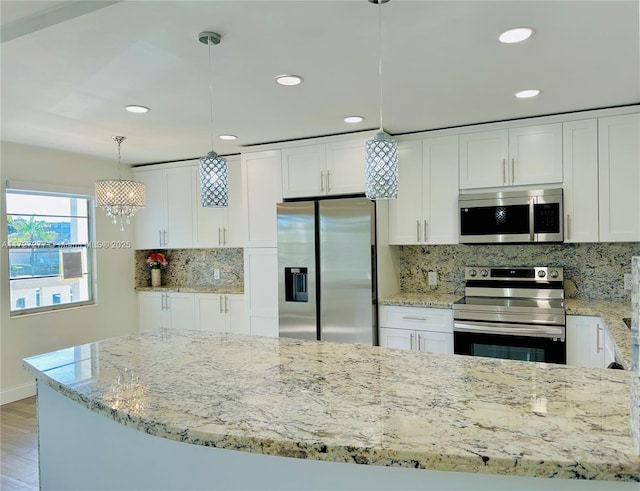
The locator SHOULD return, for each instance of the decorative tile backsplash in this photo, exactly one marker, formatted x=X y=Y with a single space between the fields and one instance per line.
x=195 y=268
x=590 y=270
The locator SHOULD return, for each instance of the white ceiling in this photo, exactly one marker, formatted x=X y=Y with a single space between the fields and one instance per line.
x=69 y=67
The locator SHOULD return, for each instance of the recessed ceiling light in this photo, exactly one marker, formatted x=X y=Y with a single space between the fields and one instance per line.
x=353 y=119
x=526 y=94
x=289 y=79
x=516 y=35
x=137 y=109
x=227 y=137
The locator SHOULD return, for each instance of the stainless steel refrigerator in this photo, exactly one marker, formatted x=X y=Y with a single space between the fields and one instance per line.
x=326 y=269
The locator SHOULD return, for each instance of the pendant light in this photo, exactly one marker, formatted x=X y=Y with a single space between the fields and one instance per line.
x=214 y=181
x=120 y=198
x=381 y=163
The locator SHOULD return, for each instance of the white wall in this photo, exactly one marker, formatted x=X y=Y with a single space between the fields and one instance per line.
x=115 y=312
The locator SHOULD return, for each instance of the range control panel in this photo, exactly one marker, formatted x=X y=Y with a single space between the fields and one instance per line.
x=496 y=273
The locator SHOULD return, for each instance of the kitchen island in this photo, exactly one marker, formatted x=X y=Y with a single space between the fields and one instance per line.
x=292 y=414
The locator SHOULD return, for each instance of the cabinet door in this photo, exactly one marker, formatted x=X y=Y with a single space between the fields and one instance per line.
x=405 y=213
x=535 y=154
x=181 y=308
x=396 y=338
x=435 y=342
x=440 y=200
x=149 y=221
x=261 y=291
x=233 y=235
x=483 y=159
x=210 y=314
x=262 y=190
x=619 y=171
x=345 y=167
x=179 y=208
x=304 y=171
x=234 y=305
x=151 y=310
x=580 y=169
x=585 y=341
x=208 y=221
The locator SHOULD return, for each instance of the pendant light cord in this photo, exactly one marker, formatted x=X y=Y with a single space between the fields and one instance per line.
x=380 y=60
x=210 y=94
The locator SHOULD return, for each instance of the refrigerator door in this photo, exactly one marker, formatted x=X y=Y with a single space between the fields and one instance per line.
x=296 y=270
x=347 y=276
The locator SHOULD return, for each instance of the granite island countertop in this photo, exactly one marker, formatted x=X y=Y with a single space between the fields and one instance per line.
x=611 y=311
x=354 y=403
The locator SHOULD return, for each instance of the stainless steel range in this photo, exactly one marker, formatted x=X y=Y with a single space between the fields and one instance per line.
x=514 y=313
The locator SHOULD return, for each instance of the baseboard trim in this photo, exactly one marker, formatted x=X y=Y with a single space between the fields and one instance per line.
x=17 y=392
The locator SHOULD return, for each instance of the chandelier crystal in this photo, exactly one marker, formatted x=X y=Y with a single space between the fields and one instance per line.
x=381 y=161
x=119 y=198
x=214 y=181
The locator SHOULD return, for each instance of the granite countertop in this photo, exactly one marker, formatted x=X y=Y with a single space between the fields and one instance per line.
x=189 y=289
x=611 y=311
x=355 y=403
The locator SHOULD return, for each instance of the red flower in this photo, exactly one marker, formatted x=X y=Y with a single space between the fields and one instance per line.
x=157 y=260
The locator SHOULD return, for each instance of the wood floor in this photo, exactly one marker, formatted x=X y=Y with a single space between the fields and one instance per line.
x=19 y=446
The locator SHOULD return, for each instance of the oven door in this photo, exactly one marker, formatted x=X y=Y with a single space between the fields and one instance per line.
x=510 y=347
x=496 y=220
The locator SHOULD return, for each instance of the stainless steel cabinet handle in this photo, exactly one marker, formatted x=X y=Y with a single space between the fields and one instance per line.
x=414 y=318
x=321 y=182
x=164 y=235
x=419 y=344
x=568 y=227
x=160 y=238
x=417 y=230
x=426 y=235
x=162 y=301
x=513 y=170
x=224 y=235
x=220 y=303
x=410 y=341
x=166 y=301
x=226 y=306
x=598 y=347
x=328 y=181
x=504 y=171
x=219 y=239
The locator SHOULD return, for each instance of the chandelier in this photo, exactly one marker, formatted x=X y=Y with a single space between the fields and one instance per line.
x=214 y=181
x=120 y=198
x=381 y=162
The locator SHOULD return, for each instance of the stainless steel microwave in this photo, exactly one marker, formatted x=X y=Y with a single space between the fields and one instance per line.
x=511 y=217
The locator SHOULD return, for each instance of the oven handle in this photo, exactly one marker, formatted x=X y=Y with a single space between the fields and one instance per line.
x=510 y=329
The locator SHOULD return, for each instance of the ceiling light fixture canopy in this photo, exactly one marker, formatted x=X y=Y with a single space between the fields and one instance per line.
x=120 y=198
x=214 y=180
x=381 y=161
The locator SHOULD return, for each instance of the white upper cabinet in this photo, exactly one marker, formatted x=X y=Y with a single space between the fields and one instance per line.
x=426 y=209
x=619 y=178
x=262 y=191
x=580 y=168
x=219 y=227
x=166 y=221
x=323 y=169
x=304 y=171
x=528 y=155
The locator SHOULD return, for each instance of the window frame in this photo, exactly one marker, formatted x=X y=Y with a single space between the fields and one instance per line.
x=90 y=255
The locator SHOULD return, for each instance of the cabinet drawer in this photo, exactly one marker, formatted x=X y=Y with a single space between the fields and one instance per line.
x=418 y=318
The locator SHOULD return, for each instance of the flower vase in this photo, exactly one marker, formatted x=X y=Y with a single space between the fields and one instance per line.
x=156 y=278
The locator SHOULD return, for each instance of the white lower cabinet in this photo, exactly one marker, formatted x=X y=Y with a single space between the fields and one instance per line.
x=220 y=312
x=261 y=291
x=202 y=311
x=589 y=345
x=166 y=309
x=416 y=328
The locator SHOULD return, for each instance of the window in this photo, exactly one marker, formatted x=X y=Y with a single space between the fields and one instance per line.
x=48 y=239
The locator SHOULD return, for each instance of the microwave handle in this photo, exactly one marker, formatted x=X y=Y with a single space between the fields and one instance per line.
x=532 y=203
